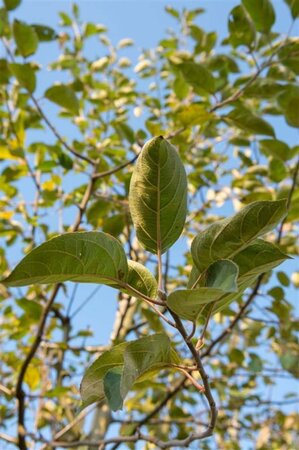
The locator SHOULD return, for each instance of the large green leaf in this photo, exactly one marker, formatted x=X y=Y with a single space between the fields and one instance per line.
x=113 y=374
x=25 y=75
x=198 y=76
x=90 y=257
x=142 y=356
x=226 y=238
x=158 y=195
x=25 y=37
x=64 y=96
x=92 y=385
x=259 y=257
x=262 y=14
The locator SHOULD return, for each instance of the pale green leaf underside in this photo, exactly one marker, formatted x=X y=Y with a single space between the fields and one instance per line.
x=143 y=355
x=141 y=279
x=86 y=257
x=92 y=385
x=223 y=275
x=188 y=303
x=226 y=238
x=158 y=195
x=115 y=371
x=112 y=381
x=259 y=257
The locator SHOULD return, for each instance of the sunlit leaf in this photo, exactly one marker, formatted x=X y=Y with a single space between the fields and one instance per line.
x=25 y=37
x=63 y=96
x=142 y=356
x=25 y=75
x=115 y=371
x=92 y=385
x=158 y=195
x=87 y=257
x=246 y=120
x=262 y=14
x=140 y=278
x=240 y=26
x=226 y=238
x=188 y=303
x=197 y=76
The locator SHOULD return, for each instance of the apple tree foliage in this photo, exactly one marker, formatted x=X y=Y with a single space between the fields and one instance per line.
x=173 y=181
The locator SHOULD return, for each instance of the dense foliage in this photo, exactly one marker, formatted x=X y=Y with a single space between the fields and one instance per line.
x=188 y=227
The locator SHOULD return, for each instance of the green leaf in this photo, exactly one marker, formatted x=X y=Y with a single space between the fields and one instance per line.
x=112 y=381
x=32 y=309
x=194 y=114
x=63 y=96
x=241 y=28
x=96 y=211
x=158 y=195
x=141 y=279
x=294 y=7
x=4 y=72
x=288 y=355
x=134 y=360
x=92 y=385
x=25 y=75
x=262 y=14
x=188 y=303
x=223 y=275
x=11 y=4
x=25 y=37
x=219 y=278
x=226 y=238
x=288 y=100
x=198 y=76
x=87 y=257
x=144 y=355
x=255 y=364
x=3 y=21
x=114 y=225
x=246 y=120
x=277 y=170
x=259 y=257
x=276 y=148
x=44 y=33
